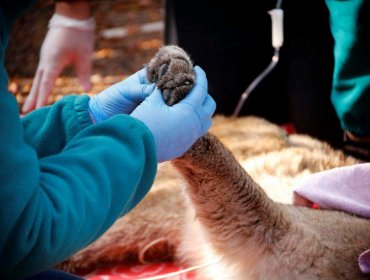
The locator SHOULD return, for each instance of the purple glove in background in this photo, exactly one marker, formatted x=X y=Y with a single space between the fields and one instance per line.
x=344 y=188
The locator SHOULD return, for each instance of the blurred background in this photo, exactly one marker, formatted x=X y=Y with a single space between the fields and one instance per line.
x=217 y=35
x=128 y=34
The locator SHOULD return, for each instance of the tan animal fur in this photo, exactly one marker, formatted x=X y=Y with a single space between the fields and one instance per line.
x=242 y=230
x=246 y=235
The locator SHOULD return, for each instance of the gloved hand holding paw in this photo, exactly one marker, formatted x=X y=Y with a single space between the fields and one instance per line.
x=122 y=97
x=176 y=128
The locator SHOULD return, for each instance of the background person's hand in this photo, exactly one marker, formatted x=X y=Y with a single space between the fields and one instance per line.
x=122 y=97
x=176 y=128
x=68 y=41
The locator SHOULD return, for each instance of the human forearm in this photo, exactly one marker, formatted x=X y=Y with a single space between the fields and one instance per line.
x=66 y=200
x=79 y=10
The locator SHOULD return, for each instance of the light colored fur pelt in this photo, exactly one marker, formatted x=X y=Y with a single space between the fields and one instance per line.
x=151 y=232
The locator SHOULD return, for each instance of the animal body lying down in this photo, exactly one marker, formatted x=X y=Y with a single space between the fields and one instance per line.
x=254 y=237
x=232 y=224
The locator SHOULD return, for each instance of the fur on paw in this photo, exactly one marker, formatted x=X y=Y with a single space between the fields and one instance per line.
x=172 y=71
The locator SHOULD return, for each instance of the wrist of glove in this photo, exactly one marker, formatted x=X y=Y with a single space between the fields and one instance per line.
x=58 y=20
x=176 y=128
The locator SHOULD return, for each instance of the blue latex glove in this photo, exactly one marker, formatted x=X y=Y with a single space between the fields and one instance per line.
x=176 y=128
x=122 y=97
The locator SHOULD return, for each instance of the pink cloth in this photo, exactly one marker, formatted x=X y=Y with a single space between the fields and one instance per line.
x=343 y=188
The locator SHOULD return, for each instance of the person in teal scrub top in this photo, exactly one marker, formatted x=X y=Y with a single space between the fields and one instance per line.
x=69 y=170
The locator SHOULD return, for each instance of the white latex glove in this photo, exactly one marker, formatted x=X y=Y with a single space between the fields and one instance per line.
x=68 y=41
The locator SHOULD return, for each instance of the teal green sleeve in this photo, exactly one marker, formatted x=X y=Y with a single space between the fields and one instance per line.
x=350 y=26
x=48 y=129
x=63 y=188
x=53 y=206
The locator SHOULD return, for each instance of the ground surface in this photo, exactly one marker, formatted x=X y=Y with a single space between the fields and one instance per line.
x=137 y=27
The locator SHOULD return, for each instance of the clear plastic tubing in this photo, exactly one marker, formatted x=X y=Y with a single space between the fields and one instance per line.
x=277 y=30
